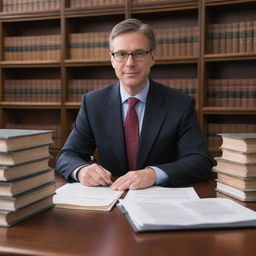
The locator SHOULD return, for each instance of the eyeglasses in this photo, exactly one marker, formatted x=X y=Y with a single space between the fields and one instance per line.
x=122 y=56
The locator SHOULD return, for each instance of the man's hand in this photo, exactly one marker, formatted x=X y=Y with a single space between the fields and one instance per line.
x=135 y=180
x=94 y=175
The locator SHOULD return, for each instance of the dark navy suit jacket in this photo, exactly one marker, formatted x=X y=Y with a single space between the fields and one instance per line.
x=170 y=138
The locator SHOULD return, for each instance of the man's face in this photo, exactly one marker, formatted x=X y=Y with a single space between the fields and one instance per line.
x=133 y=74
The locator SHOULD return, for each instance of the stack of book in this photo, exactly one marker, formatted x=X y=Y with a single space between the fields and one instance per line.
x=236 y=169
x=26 y=181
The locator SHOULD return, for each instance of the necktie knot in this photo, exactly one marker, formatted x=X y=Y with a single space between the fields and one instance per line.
x=132 y=101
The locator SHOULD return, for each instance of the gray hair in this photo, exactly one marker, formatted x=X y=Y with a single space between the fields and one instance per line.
x=133 y=25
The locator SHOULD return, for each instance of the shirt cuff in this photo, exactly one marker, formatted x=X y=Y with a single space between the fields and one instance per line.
x=74 y=173
x=161 y=176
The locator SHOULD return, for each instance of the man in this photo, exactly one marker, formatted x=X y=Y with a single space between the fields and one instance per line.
x=161 y=143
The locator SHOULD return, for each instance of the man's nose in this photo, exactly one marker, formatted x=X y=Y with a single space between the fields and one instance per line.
x=130 y=60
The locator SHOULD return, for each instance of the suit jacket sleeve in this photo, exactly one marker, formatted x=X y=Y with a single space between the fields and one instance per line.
x=79 y=146
x=193 y=163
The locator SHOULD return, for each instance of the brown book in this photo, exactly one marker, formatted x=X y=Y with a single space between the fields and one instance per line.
x=238 y=156
x=229 y=38
x=244 y=142
x=247 y=196
x=242 y=183
x=28 y=197
x=242 y=36
x=8 y=173
x=249 y=36
x=235 y=37
x=10 y=218
x=234 y=168
x=24 y=155
x=16 y=187
x=222 y=37
x=16 y=139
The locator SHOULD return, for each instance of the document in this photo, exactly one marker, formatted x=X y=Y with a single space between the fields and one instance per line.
x=157 y=193
x=78 y=196
x=186 y=214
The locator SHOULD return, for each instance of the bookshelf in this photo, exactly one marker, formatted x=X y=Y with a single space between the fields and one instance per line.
x=53 y=51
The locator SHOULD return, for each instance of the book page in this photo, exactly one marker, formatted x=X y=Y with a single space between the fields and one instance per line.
x=78 y=194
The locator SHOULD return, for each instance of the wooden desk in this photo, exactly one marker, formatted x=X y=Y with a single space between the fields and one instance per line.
x=74 y=232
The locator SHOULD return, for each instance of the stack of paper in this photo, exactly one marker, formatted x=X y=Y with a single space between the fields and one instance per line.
x=172 y=211
x=77 y=196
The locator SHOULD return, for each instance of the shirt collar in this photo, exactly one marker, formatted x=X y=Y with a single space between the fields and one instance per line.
x=142 y=95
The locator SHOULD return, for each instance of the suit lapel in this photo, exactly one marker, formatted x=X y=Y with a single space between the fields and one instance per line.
x=154 y=116
x=114 y=126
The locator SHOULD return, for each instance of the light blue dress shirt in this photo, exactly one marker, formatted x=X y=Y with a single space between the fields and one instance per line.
x=140 y=110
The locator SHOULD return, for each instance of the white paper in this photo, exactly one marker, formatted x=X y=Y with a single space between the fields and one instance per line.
x=185 y=214
x=80 y=195
x=161 y=194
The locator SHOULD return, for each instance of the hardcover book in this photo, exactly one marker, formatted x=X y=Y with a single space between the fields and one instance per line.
x=15 y=139
x=244 y=142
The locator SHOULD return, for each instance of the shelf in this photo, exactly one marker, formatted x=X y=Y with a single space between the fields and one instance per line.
x=230 y=57
x=39 y=63
x=87 y=62
x=176 y=60
x=72 y=105
x=163 y=6
x=93 y=11
x=228 y=111
x=30 y=105
x=26 y=16
x=228 y=2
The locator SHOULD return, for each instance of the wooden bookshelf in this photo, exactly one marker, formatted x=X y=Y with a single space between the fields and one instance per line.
x=42 y=45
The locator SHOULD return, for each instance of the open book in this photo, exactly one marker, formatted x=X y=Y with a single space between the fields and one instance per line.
x=77 y=196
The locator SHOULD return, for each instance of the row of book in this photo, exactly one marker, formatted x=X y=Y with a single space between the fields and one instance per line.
x=55 y=128
x=182 y=41
x=92 y=45
x=77 y=87
x=213 y=129
x=40 y=47
x=32 y=90
x=231 y=92
x=187 y=85
x=162 y=1
x=29 y=5
x=93 y=3
x=231 y=37
x=10 y=6
x=48 y=90
x=26 y=182
x=170 y=42
x=236 y=168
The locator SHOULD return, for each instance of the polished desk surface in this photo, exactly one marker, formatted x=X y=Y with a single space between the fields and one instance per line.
x=75 y=232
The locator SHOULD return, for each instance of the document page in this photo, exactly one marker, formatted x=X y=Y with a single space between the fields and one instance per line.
x=161 y=193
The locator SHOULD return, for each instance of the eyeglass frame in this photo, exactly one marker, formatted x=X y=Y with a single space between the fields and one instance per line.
x=132 y=53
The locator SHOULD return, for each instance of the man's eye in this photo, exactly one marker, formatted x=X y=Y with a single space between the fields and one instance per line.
x=121 y=54
x=138 y=54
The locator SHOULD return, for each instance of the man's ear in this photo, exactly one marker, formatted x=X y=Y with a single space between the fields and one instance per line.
x=112 y=60
x=153 y=57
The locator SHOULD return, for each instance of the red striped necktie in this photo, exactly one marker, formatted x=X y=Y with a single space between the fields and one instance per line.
x=131 y=128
